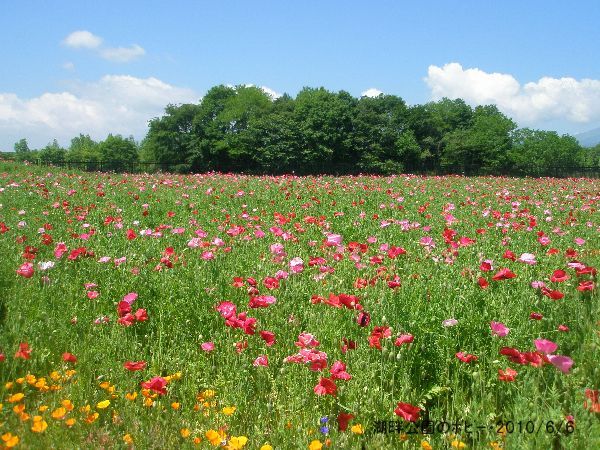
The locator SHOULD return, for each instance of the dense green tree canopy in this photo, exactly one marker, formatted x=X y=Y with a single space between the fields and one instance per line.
x=243 y=129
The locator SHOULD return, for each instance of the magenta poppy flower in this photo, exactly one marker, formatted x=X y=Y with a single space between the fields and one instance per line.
x=499 y=329
x=545 y=346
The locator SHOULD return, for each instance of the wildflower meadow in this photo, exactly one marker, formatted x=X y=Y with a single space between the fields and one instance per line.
x=260 y=312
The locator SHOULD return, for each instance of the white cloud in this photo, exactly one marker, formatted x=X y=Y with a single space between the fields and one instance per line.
x=118 y=104
x=270 y=92
x=267 y=90
x=371 y=92
x=82 y=39
x=548 y=99
x=122 y=54
x=87 y=40
x=68 y=65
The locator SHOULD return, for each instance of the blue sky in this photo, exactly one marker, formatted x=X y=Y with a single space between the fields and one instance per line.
x=99 y=67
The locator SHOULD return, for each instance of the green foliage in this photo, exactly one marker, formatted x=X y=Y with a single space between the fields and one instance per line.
x=52 y=153
x=118 y=152
x=544 y=152
x=483 y=146
x=242 y=129
x=21 y=147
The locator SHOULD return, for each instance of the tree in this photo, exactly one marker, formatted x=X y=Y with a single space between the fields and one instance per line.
x=326 y=121
x=248 y=104
x=431 y=123
x=538 y=152
x=482 y=147
x=22 y=151
x=590 y=157
x=22 y=147
x=272 y=140
x=170 y=137
x=209 y=131
x=52 y=153
x=118 y=153
x=381 y=136
x=84 y=148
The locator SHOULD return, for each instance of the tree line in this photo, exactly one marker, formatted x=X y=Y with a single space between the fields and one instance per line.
x=243 y=129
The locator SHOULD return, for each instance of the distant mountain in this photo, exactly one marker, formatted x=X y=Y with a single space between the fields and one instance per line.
x=589 y=138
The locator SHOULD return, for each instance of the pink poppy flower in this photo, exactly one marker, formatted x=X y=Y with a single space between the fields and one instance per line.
x=338 y=371
x=499 y=329
x=545 y=346
x=562 y=363
x=261 y=360
x=404 y=339
x=297 y=265
x=528 y=258
x=207 y=346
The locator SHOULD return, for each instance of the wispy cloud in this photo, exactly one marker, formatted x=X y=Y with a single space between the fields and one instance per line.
x=83 y=39
x=123 y=54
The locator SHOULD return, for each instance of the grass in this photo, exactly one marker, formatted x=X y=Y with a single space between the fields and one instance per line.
x=276 y=405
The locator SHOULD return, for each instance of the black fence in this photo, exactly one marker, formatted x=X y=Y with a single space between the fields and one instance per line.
x=182 y=168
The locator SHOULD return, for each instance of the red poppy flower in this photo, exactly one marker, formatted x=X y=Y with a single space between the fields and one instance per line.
x=347 y=344
x=535 y=359
x=553 y=294
x=343 y=419
x=509 y=255
x=271 y=283
x=482 y=282
x=586 y=286
x=141 y=315
x=306 y=340
x=466 y=358
x=127 y=320
x=361 y=283
x=69 y=357
x=507 y=375
x=261 y=301
x=268 y=337
x=536 y=316
x=123 y=308
x=504 y=274
x=513 y=355
x=485 y=266
x=558 y=276
x=363 y=318
x=156 y=384
x=407 y=411
x=24 y=351
x=131 y=234
x=134 y=365
x=594 y=404
x=325 y=386
x=393 y=252
x=26 y=270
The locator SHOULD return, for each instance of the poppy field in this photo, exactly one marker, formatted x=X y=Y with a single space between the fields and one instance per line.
x=231 y=311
